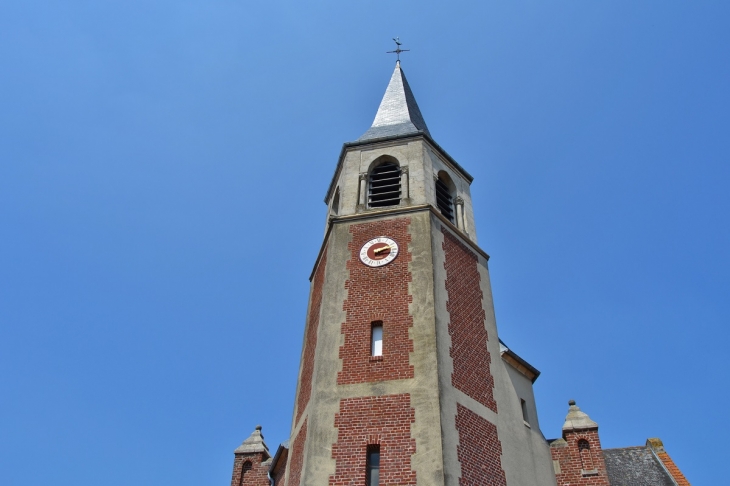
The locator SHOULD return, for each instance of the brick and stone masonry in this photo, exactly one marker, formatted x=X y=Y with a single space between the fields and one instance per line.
x=479 y=450
x=471 y=358
x=251 y=462
x=384 y=421
x=310 y=339
x=578 y=456
x=297 y=456
x=377 y=294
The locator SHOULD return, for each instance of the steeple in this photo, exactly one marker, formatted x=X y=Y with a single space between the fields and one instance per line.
x=398 y=113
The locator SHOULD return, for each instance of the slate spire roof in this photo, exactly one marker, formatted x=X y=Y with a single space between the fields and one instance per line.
x=398 y=113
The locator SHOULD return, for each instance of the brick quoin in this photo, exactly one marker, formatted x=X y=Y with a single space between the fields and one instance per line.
x=385 y=421
x=479 y=450
x=297 y=456
x=377 y=294
x=256 y=472
x=571 y=463
x=469 y=338
x=310 y=339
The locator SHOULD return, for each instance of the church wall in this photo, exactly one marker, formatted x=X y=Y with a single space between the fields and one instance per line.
x=250 y=470
x=421 y=161
x=297 y=459
x=434 y=163
x=525 y=458
x=310 y=338
x=375 y=420
x=522 y=388
x=379 y=294
x=575 y=468
x=330 y=401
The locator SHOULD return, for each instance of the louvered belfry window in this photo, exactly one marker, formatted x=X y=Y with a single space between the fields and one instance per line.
x=444 y=200
x=384 y=186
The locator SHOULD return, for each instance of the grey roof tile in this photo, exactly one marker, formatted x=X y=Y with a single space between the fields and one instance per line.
x=635 y=466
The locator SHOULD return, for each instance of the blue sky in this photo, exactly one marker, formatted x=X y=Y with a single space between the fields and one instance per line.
x=162 y=170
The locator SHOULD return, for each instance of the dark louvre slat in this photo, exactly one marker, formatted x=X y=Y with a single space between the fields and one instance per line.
x=386 y=186
x=381 y=194
x=386 y=172
x=385 y=179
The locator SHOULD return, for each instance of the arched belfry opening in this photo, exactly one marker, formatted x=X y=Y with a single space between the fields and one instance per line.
x=445 y=192
x=384 y=188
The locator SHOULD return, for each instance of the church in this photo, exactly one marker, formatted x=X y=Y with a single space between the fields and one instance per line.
x=403 y=379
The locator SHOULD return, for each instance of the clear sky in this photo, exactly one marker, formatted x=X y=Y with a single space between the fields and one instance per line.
x=163 y=166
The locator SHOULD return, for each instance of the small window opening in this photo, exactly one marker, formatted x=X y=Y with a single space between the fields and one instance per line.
x=384 y=185
x=335 y=209
x=244 y=469
x=586 y=458
x=523 y=403
x=376 y=339
x=373 y=466
x=444 y=201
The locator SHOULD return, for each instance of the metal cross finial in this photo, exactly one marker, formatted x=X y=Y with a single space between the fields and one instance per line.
x=397 y=50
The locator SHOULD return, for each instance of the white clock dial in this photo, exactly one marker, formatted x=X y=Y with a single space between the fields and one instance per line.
x=378 y=251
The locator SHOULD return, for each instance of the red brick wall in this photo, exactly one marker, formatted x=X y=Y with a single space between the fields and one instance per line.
x=479 y=450
x=257 y=475
x=310 y=339
x=297 y=456
x=466 y=323
x=377 y=294
x=571 y=463
x=384 y=420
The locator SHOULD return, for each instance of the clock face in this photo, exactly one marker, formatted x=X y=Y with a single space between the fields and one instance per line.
x=378 y=251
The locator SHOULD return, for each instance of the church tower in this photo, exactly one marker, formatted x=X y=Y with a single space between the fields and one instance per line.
x=403 y=379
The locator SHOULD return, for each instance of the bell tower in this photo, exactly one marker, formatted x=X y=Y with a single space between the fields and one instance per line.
x=403 y=379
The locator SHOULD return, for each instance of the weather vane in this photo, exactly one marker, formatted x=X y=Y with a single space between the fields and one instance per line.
x=397 y=50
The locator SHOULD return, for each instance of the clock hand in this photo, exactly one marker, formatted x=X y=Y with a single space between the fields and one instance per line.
x=380 y=250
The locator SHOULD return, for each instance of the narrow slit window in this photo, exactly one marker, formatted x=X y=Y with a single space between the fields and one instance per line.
x=335 y=208
x=444 y=201
x=373 y=466
x=376 y=339
x=586 y=458
x=384 y=186
x=246 y=468
x=523 y=404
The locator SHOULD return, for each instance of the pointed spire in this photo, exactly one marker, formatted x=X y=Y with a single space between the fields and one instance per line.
x=255 y=443
x=398 y=113
x=577 y=419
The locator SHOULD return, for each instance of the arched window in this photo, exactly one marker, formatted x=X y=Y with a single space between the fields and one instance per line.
x=384 y=185
x=244 y=469
x=335 y=207
x=444 y=195
x=584 y=448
